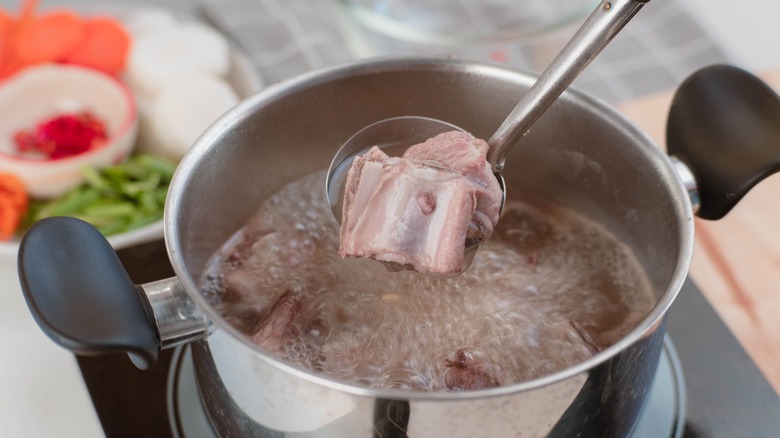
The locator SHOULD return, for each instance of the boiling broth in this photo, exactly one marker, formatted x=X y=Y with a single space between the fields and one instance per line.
x=547 y=291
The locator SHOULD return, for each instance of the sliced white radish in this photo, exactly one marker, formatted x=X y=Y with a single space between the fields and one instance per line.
x=167 y=55
x=184 y=109
x=146 y=137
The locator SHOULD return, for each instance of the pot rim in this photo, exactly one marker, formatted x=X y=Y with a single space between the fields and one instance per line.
x=654 y=320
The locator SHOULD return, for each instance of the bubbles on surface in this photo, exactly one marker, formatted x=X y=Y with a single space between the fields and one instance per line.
x=546 y=292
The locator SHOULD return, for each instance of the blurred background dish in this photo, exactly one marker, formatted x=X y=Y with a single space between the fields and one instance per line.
x=526 y=32
x=239 y=76
x=40 y=379
x=48 y=89
x=242 y=77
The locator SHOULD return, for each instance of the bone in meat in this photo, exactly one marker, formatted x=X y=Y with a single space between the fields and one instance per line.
x=469 y=371
x=270 y=333
x=418 y=211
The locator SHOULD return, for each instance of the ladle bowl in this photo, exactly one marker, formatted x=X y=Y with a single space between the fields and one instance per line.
x=393 y=136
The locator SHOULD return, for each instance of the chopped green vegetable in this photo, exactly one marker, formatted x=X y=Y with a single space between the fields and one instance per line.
x=114 y=199
x=94 y=179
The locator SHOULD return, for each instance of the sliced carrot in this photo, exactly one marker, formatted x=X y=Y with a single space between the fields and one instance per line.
x=60 y=36
x=5 y=57
x=12 y=189
x=9 y=219
x=104 y=47
x=10 y=61
x=49 y=37
x=6 y=22
x=29 y=7
x=11 y=65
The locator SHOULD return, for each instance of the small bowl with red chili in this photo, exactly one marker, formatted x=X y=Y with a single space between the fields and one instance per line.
x=57 y=119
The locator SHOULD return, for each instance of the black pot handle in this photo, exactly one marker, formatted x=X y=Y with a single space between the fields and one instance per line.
x=80 y=294
x=724 y=124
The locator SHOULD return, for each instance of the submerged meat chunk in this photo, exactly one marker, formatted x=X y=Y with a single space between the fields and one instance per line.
x=271 y=332
x=419 y=210
x=536 y=302
x=468 y=371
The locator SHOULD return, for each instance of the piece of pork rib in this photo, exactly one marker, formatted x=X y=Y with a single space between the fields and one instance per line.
x=418 y=211
x=271 y=332
x=466 y=154
x=469 y=370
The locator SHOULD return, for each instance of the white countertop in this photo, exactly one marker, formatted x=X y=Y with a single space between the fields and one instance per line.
x=41 y=390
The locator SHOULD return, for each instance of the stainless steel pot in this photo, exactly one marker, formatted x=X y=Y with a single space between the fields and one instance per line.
x=581 y=154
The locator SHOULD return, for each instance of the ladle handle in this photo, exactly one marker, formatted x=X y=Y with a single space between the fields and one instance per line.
x=83 y=298
x=724 y=125
x=590 y=39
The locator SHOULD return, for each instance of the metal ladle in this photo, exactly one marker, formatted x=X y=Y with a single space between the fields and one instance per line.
x=395 y=135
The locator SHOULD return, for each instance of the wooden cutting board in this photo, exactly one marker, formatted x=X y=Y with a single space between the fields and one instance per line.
x=736 y=260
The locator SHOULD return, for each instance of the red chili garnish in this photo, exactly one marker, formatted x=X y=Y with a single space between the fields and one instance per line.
x=63 y=136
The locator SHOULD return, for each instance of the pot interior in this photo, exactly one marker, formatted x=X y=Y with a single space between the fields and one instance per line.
x=580 y=154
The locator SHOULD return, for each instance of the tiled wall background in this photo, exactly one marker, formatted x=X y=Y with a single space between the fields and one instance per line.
x=660 y=47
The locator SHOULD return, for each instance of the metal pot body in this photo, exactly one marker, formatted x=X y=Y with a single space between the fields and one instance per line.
x=581 y=154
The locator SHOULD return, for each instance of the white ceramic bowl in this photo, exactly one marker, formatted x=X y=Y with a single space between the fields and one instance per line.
x=453 y=24
x=526 y=34
x=42 y=92
x=244 y=79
